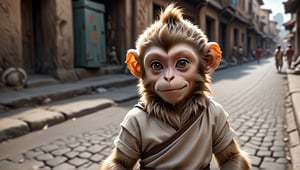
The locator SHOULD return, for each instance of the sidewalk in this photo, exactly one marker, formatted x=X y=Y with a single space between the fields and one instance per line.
x=36 y=108
x=293 y=118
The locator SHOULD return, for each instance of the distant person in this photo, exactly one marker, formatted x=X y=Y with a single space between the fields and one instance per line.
x=278 y=54
x=267 y=52
x=289 y=55
x=258 y=52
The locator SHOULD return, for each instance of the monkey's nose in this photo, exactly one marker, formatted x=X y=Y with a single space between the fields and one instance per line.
x=169 y=78
x=169 y=75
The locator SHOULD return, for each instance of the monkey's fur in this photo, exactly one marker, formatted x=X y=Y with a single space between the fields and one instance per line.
x=165 y=33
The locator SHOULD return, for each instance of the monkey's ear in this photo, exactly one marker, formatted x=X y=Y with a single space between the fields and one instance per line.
x=213 y=55
x=132 y=63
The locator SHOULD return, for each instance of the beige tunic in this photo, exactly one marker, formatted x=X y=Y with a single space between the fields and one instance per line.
x=209 y=134
x=278 y=57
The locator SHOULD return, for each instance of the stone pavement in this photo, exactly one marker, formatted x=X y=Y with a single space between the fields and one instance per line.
x=82 y=150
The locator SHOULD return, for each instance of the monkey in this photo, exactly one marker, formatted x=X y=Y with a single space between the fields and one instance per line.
x=176 y=124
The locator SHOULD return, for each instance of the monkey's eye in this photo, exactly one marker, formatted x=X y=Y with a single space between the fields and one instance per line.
x=156 y=66
x=182 y=63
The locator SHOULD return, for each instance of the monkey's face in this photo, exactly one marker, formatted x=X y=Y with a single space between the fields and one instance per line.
x=171 y=73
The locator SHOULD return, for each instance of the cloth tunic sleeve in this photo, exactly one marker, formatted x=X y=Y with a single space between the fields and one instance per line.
x=129 y=138
x=223 y=134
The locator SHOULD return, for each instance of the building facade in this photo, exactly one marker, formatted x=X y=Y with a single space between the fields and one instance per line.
x=73 y=39
x=293 y=7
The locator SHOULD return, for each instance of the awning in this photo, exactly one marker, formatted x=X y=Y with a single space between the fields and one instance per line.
x=289 y=24
x=291 y=6
x=289 y=36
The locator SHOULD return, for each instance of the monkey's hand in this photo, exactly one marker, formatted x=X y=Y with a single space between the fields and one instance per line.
x=232 y=158
x=118 y=161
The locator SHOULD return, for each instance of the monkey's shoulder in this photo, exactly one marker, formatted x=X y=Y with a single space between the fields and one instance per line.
x=135 y=116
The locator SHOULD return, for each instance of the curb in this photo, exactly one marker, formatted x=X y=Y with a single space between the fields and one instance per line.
x=21 y=121
x=293 y=119
x=45 y=94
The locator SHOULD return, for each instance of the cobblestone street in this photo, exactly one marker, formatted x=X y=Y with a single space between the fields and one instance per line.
x=254 y=99
x=258 y=116
x=83 y=151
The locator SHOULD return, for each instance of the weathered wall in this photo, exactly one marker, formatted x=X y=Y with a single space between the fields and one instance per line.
x=64 y=58
x=143 y=15
x=10 y=34
x=57 y=39
x=124 y=33
x=297 y=33
x=215 y=26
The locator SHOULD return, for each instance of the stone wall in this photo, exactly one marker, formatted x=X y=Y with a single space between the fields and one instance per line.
x=143 y=17
x=10 y=33
x=64 y=57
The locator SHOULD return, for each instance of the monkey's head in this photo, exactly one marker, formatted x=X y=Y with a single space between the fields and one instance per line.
x=173 y=58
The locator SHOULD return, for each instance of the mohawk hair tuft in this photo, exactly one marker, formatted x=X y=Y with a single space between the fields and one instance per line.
x=169 y=29
x=171 y=14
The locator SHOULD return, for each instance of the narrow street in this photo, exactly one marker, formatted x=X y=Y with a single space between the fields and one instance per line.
x=252 y=94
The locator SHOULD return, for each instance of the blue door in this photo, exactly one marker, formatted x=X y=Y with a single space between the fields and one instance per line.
x=89 y=34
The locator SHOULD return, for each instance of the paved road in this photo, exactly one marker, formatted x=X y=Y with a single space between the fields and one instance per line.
x=253 y=95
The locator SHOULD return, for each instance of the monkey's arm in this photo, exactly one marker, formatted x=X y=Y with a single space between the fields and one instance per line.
x=118 y=161
x=232 y=158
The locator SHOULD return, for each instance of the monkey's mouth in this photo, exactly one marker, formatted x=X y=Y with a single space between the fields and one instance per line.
x=172 y=89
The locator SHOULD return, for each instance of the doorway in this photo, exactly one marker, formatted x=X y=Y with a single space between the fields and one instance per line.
x=34 y=37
